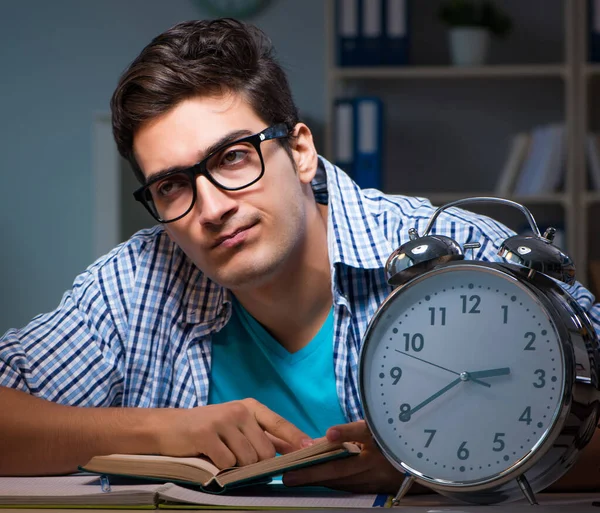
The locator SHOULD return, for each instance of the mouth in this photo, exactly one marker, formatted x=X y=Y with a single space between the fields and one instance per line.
x=235 y=237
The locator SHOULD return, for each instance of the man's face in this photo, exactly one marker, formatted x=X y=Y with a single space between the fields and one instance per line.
x=240 y=239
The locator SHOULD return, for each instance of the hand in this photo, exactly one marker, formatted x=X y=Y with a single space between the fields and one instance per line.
x=237 y=432
x=473 y=379
x=369 y=472
x=490 y=373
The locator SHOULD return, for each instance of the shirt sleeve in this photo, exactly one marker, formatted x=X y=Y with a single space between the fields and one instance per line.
x=72 y=355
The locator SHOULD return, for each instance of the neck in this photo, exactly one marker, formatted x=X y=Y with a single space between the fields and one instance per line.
x=295 y=303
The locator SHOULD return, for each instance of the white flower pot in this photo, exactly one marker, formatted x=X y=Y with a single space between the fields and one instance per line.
x=469 y=46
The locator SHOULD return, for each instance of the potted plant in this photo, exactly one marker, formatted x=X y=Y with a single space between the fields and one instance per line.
x=471 y=23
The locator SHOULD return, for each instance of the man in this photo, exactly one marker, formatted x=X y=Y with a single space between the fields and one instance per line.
x=233 y=328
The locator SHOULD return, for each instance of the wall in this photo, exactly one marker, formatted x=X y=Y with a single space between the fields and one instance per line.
x=60 y=63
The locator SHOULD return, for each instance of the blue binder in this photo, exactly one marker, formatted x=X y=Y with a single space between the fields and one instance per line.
x=396 y=38
x=371 y=37
x=594 y=30
x=347 y=19
x=368 y=140
x=344 y=134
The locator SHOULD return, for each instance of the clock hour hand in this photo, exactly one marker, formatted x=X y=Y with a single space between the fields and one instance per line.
x=405 y=416
x=490 y=373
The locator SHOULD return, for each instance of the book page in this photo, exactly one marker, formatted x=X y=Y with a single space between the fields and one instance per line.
x=275 y=495
x=72 y=490
x=198 y=470
x=315 y=453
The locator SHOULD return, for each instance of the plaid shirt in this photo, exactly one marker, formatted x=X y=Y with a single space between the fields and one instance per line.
x=135 y=329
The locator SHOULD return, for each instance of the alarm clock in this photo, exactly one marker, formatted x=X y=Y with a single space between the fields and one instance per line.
x=479 y=379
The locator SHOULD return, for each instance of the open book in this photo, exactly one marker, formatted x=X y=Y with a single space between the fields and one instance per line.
x=201 y=473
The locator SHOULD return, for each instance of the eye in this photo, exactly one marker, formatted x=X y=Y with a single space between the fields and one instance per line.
x=171 y=186
x=232 y=157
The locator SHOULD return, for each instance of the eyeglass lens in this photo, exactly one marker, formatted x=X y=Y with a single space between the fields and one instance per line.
x=235 y=166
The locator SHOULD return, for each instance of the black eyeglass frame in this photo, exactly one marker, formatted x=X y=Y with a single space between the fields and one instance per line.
x=278 y=131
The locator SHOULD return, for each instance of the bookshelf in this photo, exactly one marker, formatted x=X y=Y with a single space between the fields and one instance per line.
x=451 y=125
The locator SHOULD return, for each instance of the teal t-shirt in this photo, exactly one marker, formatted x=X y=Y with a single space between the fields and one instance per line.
x=248 y=362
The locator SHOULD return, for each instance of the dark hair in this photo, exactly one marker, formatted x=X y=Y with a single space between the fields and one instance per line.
x=200 y=57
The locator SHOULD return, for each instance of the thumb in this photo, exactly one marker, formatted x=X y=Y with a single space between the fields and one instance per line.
x=351 y=432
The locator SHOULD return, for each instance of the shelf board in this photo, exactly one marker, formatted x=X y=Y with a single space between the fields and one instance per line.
x=439 y=199
x=592 y=70
x=592 y=198
x=496 y=71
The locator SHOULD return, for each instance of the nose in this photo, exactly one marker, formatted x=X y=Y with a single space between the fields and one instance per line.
x=214 y=205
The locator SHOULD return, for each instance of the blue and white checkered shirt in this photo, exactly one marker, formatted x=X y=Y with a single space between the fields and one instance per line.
x=135 y=330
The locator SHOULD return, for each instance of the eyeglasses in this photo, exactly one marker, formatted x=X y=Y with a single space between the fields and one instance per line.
x=231 y=167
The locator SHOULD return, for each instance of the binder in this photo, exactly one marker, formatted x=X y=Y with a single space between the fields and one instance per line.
x=396 y=40
x=370 y=40
x=594 y=30
x=344 y=135
x=347 y=26
x=368 y=170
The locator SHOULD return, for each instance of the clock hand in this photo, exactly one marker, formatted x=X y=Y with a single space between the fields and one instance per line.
x=474 y=380
x=405 y=417
x=503 y=371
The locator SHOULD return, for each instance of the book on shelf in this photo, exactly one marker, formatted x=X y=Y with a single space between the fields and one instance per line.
x=519 y=147
x=535 y=163
x=201 y=473
x=87 y=491
x=593 y=161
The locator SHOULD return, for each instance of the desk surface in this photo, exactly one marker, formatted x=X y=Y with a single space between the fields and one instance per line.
x=548 y=503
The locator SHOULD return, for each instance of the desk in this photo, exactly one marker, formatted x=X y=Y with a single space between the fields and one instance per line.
x=548 y=503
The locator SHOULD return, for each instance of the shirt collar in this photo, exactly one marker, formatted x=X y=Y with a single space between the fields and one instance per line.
x=356 y=237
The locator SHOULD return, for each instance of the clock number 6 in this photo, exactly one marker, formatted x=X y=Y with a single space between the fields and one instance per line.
x=463 y=452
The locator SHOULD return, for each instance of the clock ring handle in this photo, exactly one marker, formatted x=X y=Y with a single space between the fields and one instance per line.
x=533 y=252
x=485 y=199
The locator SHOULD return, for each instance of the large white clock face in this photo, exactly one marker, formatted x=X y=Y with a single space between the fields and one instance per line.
x=462 y=375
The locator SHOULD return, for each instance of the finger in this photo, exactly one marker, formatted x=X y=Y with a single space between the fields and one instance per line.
x=219 y=453
x=259 y=440
x=239 y=445
x=351 y=432
x=277 y=426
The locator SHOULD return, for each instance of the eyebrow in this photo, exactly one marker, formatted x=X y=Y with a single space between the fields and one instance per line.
x=226 y=139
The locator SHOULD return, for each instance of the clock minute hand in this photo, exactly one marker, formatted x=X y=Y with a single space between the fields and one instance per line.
x=407 y=414
x=473 y=379
x=425 y=361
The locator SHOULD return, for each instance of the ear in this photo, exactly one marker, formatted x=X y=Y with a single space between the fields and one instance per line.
x=304 y=153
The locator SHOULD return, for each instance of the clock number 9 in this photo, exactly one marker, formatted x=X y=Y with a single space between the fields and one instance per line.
x=396 y=374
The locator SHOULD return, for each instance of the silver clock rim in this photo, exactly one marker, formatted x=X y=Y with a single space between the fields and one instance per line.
x=544 y=441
